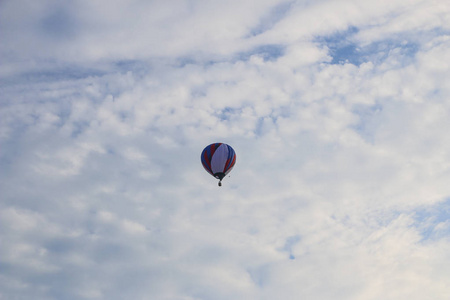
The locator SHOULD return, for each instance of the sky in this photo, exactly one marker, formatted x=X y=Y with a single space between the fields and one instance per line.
x=338 y=111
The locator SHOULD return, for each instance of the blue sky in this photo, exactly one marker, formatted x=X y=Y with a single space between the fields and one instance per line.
x=338 y=112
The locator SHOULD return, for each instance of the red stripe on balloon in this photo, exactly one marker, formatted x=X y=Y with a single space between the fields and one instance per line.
x=208 y=162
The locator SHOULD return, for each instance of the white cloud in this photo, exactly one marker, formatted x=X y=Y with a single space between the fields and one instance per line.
x=337 y=111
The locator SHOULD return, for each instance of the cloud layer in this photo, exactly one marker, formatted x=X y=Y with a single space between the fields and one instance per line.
x=337 y=110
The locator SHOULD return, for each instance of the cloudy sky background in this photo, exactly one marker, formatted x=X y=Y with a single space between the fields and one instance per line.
x=338 y=110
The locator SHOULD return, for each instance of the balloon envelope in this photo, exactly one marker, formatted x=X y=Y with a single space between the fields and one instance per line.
x=218 y=159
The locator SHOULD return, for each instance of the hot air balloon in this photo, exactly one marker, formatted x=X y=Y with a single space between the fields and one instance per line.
x=218 y=159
